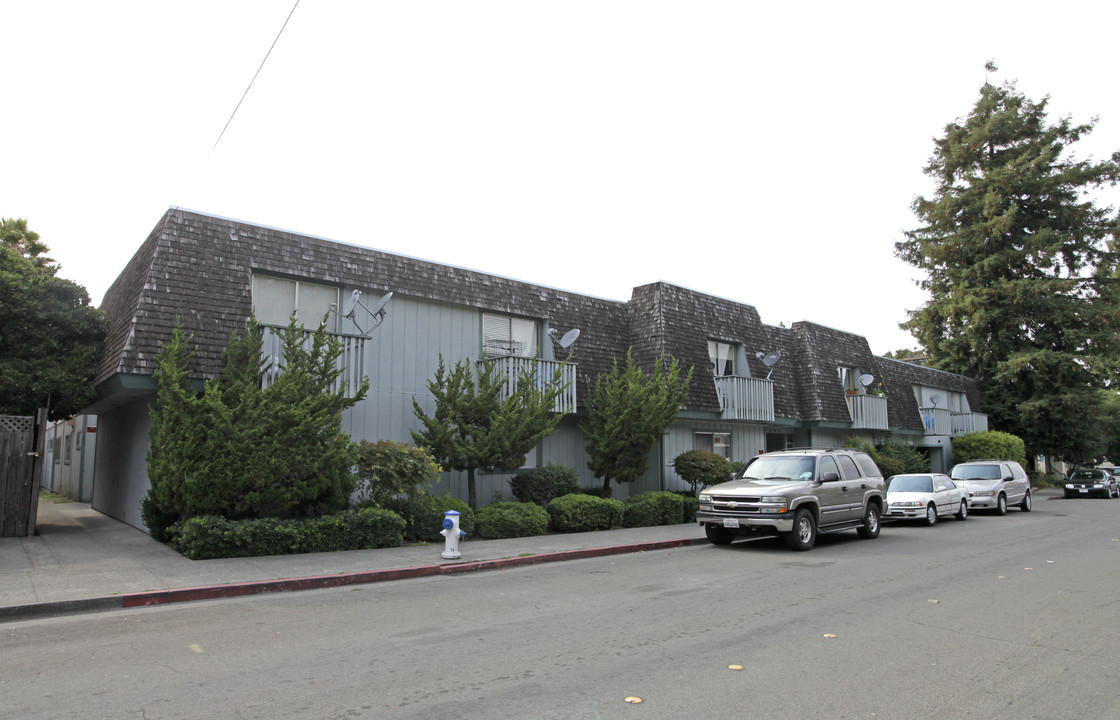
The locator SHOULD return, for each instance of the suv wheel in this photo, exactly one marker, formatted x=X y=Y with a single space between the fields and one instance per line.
x=1001 y=504
x=931 y=514
x=718 y=535
x=870 y=528
x=804 y=533
x=1025 y=506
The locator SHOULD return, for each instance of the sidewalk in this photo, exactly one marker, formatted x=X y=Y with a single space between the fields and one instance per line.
x=83 y=561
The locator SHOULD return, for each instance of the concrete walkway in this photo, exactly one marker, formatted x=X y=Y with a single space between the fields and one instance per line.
x=83 y=561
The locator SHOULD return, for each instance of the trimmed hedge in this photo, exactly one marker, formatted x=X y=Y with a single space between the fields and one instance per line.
x=209 y=536
x=653 y=508
x=580 y=513
x=510 y=520
x=544 y=484
x=423 y=516
x=989 y=445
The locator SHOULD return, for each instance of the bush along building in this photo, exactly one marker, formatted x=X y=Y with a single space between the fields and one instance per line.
x=755 y=387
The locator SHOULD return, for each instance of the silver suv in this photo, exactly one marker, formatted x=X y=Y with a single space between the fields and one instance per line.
x=796 y=494
x=994 y=484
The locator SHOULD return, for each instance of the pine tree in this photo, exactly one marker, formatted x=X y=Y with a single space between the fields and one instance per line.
x=626 y=413
x=475 y=429
x=1018 y=267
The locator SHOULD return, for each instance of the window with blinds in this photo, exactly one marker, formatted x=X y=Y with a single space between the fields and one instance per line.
x=722 y=356
x=274 y=299
x=503 y=335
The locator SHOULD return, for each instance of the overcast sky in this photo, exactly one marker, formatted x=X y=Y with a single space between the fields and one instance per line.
x=766 y=153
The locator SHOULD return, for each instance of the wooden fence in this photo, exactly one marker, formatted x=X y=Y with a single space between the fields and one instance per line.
x=21 y=450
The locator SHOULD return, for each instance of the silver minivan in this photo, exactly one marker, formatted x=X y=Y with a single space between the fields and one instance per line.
x=994 y=484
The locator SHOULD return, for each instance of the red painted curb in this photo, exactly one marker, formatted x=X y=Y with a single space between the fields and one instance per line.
x=314 y=582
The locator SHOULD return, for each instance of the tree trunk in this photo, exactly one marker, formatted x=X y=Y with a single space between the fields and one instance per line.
x=472 y=493
x=606 y=487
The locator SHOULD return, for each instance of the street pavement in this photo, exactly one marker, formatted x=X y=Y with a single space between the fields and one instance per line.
x=84 y=561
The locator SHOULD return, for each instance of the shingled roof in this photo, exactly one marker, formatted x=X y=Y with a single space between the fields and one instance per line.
x=196 y=269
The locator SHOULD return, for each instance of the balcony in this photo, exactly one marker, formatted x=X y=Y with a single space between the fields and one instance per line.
x=964 y=423
x=511 y=368
x=937 y=421
x=352 y=361
x=869 y=412
x=745 y=398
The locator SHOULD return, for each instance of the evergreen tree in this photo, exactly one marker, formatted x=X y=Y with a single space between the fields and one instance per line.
x=626 y=413
x=50 y=335
x=1018 y=267
x=242 y=451
x=475 y=429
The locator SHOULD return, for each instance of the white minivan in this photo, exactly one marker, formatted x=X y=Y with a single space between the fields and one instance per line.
x=994 y=484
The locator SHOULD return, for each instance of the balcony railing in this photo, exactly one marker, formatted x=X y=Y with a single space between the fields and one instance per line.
x=510 y=368
x=964 y=423
x=869 y=412
x=745 y=398
x=352 y=361
x=937 y=421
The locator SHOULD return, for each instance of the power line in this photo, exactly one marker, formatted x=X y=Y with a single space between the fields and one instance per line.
x=258 y=72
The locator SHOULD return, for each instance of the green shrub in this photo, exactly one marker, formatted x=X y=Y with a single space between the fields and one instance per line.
x=542 y=485
x=388 y=469
x=641 y=513
x=989 y=445
x=580 y=513
x=210 y=536
x=667 y=508
x=701 y=469
x=423 y=515
x=510 y=520
x=691 y=506
x=910 y=458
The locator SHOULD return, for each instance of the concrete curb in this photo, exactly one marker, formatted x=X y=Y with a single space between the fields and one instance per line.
x=210 y=592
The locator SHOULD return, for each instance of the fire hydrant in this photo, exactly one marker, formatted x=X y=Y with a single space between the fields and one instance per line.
x=451 y=535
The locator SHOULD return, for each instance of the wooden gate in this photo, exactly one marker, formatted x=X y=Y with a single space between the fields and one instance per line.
x=19 y=461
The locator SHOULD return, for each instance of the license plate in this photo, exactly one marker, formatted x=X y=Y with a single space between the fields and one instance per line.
x=731 y=522
x=1084 y=490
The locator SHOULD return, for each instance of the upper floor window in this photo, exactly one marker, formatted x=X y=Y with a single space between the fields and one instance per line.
x=722 y=355
x=274 y=299
x=850 y=378
x=506 y=335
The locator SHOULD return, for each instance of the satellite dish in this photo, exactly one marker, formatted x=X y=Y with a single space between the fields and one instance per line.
x=377 y=313
x=935 y=399
x=866 y=379
x=355 y=298
x=770 y=359
x=569 y=337
x=379 y=308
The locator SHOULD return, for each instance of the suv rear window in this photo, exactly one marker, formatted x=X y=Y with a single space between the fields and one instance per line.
x=870 y=469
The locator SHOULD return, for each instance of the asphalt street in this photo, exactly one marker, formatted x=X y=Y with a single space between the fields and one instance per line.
x=993 y=617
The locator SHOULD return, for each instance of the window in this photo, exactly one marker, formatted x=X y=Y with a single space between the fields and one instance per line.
x=827 y=465
x=722 y=355
x=713 y=442
x=504 y=335
x=850 y=379
x=851 y=472
x=274 y=299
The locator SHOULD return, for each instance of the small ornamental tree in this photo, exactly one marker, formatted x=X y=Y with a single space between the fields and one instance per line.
x=389 y=469
x=626 y=413
x=474 y=428
x=240 y=451
x=700 y=469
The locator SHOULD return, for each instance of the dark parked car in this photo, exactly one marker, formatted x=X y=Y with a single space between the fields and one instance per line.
x=1092 y=481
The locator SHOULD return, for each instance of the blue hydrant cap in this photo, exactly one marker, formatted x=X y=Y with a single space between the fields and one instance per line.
x=452 y=512
x=448 y=523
